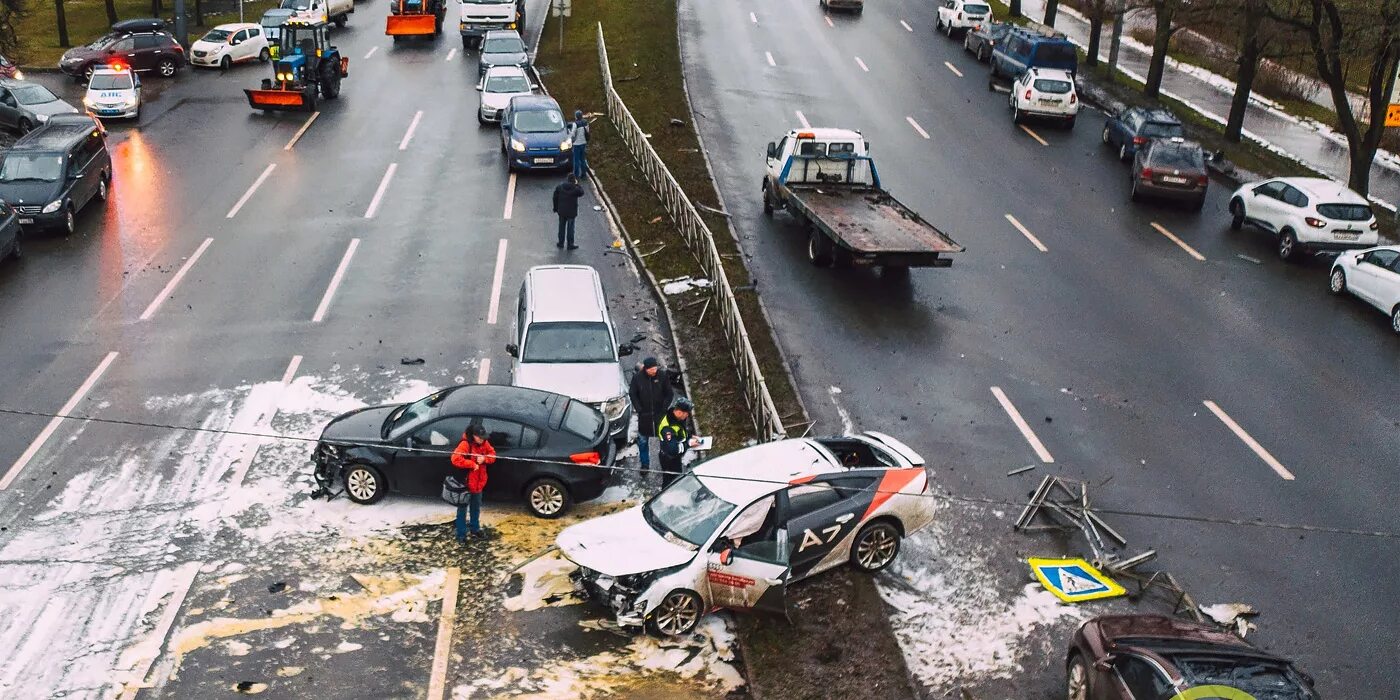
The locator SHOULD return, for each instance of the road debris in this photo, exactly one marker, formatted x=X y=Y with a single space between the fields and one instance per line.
x=1232 y=615
x=1021 y=470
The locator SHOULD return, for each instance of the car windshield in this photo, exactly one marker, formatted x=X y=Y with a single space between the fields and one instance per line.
x=1260 y=679
x=1345 y=212
x=507 y=83
x=110 y=81
x=1178 y=157
x=1161 y=130
x=687 y=510
x=411 y=414
x=296 y=4
x=32 y=94
x=31 y=166
x=999 y=31
x=583 y=420
x=568 y=342
x=217 y=36
x=1057 y=87
x=975 y=9
x=104 y=40
x=503 y=44
x=538 y=120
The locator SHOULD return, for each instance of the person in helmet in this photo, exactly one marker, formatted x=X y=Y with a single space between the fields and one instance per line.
x=673 y=433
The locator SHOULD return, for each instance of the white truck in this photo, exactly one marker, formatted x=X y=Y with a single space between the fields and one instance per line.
x=337 y=11
x=481 y=16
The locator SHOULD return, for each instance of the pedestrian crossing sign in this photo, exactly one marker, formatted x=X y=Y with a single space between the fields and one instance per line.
x=1073 y=580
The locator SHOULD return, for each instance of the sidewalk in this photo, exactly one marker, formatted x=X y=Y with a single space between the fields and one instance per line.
x=1306 y=141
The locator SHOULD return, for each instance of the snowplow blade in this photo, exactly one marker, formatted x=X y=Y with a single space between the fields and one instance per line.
x=411 y=25
x=276 y=99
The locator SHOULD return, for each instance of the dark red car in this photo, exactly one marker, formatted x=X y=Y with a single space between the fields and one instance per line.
x=1152 y=657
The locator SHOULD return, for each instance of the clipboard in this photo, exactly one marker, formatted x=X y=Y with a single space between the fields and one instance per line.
x=704 y=443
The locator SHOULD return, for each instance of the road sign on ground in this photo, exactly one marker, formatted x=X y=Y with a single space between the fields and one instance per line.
x=1073 y=580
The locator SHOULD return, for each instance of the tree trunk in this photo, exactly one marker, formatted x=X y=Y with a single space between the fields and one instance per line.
x=1052 y=8
x=1115 y=40
x=111 y=11
x=198 y=13
x=1016 y=8
x=1244 y=76
x=62 y=21
x=1160 y=41
x=1095 y=29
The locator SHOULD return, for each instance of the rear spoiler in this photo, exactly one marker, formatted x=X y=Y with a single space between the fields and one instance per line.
x=895 y=446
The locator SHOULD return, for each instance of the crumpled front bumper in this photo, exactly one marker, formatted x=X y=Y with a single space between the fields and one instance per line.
x=626 y=605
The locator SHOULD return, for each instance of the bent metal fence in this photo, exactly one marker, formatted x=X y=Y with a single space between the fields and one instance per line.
x=767 y=422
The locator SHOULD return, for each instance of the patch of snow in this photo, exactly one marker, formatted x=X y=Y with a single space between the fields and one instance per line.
x=545 y=584
x=683 y=284
x=344 y=647
x=237 y=648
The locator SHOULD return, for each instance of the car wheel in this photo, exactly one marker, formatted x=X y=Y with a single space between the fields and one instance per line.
x=875 y=546
x=1287 y=244
x=166 y=68
x=87 y=73
x=1395 y=319
x=225 y=63
x=547 y=498
x=767 y=202
x=1338 y=281
x=1104 y=136
x=982 y=53
x=938 y=23
x=818 y=248
x=340 y=21
x=1133 y=189
x=16 y=251
x=1069 y=123
x=1123 y=152
x=967 y=42
x=678 y=614
x=466 y=44
x=365 y=484
x=1076 y=678
x=1199 y=204
x=264 y=56
x=1016 y=117
x=23 y=127
x=948 y=29
x=102 y=189
x=70 y=222
x=1236 y=214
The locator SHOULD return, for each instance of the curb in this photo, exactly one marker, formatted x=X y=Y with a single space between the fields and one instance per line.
x=40 y=69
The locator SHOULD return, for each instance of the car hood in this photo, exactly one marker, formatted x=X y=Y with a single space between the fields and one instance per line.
x=540 y=138
x=1114 y=627
x=29 y=193
x=111 y=95
x=503 y=59
x=620 y=544
x=78 y=53
x=202 y=45
x=499 y=100
x=587 y=382
x=52 y=108
x=358 y=426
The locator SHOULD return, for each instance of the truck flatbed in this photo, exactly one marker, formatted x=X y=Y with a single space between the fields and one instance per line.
x=869 y=220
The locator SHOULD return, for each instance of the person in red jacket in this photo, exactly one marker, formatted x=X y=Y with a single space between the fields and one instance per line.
x=473 y=454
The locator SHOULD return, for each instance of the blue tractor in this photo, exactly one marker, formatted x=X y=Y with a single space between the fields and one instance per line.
x=304 y=64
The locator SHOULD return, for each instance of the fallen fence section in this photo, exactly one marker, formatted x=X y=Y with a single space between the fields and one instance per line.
x=767 y=422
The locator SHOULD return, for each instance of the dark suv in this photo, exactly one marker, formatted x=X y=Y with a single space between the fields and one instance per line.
x=51 y=173
x=1135 y=127
x=142 y=44
x=1173 y=169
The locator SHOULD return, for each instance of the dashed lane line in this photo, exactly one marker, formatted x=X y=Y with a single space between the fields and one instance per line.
x=442 y=648
x=1026 y=232
x=510 y=198
x=178 y=588
x=906 y=26
x=1249 y=441
x=451 y=54
x=802 y=119
x=483 y=373
x=339 y=275
x=1189 y=250
x=370 y=53
x=1021 y=425
x=769 y=56
x=496 y=283
x=412 y=127
x=53 y=423
x=753 y=18
x=179 y=275
x=828 y=20
x=251 y=189
x=861 y=64
x=379 y=193
x=916 y=126
x=1034 y=135
x=953 y=68
x=297 y=136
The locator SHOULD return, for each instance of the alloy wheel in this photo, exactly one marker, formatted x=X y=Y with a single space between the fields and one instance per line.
x=546 y=498
x=678 y=613
x=70 y=223
x=1395 y=319
x=167 y=68
x=1077 y=682
x=1285 y=245
x=877 y=548
x=361 y=484
x=1339 y=281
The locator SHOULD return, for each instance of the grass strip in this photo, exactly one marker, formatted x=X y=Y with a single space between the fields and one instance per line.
x=37 y=28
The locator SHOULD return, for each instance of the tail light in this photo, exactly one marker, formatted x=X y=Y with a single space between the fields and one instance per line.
x=1203 y=180
x=1315 y=223
x=178 y=48
x=1375 y=224
x=1028 y=94
x=1139 y=140
x=1146 y=174
x=585 y=458
x=959 y=16
x=1073 y=98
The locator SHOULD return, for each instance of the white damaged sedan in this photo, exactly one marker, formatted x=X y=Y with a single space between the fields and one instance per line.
x=740 y=528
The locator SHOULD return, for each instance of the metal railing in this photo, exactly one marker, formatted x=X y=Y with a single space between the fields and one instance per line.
x=764 y=413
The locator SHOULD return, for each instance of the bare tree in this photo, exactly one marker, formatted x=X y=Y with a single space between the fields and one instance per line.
x=1052 y=8
x=10 y=13
x=62 y=20
x=111 y=11
x=1171 y=16
x=1252 y=41
x=1098 y=12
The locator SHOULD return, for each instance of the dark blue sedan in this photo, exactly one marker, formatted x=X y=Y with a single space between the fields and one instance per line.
x=534 y=134
x=1134 y=127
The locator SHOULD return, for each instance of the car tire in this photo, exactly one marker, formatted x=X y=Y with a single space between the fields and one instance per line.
x=1016 y=117
x=818 y=248
x=264 y=55
x=1337 y=281
x=547 y=498
x=1395 y=319
x=767 y=201
x=1123 y=154
x=340 y=21
x=23 y=127
x=1236 y=214
x=365 y=484
x=948 y=29
x=480 y=119
x=1076 y=678
x=1287 y=245
x=1199 y=204
x=70 y=221
x=101 y=195
x=17 y=250
x=166 y=68
x=1104 y=136
x=225 y=63
x=967 y=42
x=1133 y=189
x=1069 y=123
x=678 y=614
x=875 y=546
x=87 y=73
x=982 y=53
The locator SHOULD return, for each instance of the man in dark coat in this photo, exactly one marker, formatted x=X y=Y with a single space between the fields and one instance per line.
x=651 y=395
x=566 y=197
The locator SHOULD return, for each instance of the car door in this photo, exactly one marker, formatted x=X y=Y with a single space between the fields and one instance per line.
x=822 y=515
x=1138 y=678
x=256 y=43
x=79 y=158
x=1374 y=277
x=515 y=446
x=9 y=108
x=1263 y=205
x=424 y=458
x=747 y=567
x=1291 y=205
x=124 y=50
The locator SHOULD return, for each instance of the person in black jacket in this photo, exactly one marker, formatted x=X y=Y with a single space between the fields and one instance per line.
x=651 y=394
x=566 y=197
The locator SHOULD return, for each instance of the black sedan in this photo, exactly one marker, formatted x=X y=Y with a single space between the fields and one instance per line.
x=551 y=451
x=980 y=39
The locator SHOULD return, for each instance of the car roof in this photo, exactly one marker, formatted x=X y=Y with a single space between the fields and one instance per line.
x=279 y=12
x=16 y=82
x=1052 y=73
x=565 y=293
x=235 y=26
x=508 y=402
x=141 y=24
x=743 y=476
x=828 y=134
x=533 y=102
x=495 y=71
x=1159 y=115
x=1322 y=188
x=498 y=33
x=53 y=136
x=112 y=71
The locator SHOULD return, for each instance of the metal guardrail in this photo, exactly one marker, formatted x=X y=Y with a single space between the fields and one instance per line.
x=700 y=240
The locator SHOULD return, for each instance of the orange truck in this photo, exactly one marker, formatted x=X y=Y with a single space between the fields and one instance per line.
x=415 y=18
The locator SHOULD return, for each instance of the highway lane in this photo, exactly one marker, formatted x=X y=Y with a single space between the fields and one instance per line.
x=1108 y=342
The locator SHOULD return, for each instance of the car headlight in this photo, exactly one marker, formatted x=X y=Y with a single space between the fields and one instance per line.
x=88 y=101
x=568 y=144
x=53 y=206
x=19 y=75
x=517 y=145
x=614 y=408
x=42 y=118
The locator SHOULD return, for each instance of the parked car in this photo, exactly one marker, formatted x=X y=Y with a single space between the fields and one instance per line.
x=738 y=529
x=856 y=6
x=10 y=232
x=1134 y=127
x=498 y=87
x=1307 y=214
x=955 y=15
x=271 y=23
x=551 y=451
x=981 y=39
x=1152 y=657
x=52 y=172
x=25 y=105
x=1024 y=49
x=533 y=134
x=8 y=69
x=114 y=93
x=1374 y=276
x=142 y=44
x=562 y=340
x=1045 y=93
x=502 y=47
x=1173 y=169
x=227 y=44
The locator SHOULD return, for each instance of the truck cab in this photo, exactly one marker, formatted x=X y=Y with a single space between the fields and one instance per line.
x=337 y=11
x=817 y=156
x=481 y=16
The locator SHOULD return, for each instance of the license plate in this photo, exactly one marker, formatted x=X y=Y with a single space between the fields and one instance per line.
x=1346 y=235
x=1174 y=180
x=109 y=111
x=544 y=161
x=1049 y=102
x=26 y=221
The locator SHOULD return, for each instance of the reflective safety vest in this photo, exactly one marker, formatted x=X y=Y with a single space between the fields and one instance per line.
x=679 y=435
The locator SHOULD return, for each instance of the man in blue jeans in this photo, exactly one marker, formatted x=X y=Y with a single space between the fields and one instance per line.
x=651 y=394
x=578 y=133
x=474 y=453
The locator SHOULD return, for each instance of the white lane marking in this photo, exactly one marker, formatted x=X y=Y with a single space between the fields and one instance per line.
x=769 y=55
x=1189 y=250
x=442 y=649
x=251 y=189
x=335 y=282
x=1248 y=441
x=828 y=20
x=953 y=68
x=170 y=286
x=861 y=64
x=753 y=18
x=1021 y=425
x=510 y=198
x=244 y=458
x=297 y=136
x=49 y=429
x=412 y=127
x=848 y=426
x=1034 y=135
x=150 y=648
x=379 y=193
x=451 y=54
x=802 y=119
x=291 y=369
x=496 y=282
x=1026 y=232
x=370 y=53
x=916 y=126
x=484 y=371
x=906 y=25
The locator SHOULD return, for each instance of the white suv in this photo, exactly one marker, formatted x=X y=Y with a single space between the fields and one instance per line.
x=962 y=14
x=1045 y=92
x=1374 y=276
x=1307 y=214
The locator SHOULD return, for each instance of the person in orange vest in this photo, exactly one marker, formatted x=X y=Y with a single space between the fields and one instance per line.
x=474 y=453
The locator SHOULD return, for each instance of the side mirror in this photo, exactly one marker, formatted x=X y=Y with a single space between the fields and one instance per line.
x=726 y=556
x=772 y=150
x=480 y=86
x=76 y=176
x=1105 y=663
x=513 y=350
x=624 y=350
x=722 y=545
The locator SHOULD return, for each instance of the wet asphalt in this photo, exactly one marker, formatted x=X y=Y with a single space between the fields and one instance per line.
x=1108 y=343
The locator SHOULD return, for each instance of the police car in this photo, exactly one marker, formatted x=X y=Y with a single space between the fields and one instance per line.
x=114 y=91
x=738 y=529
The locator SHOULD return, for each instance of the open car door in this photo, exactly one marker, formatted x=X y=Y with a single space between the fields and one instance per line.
x=748 y=566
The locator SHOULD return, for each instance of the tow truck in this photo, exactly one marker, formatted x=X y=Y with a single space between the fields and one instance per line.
x=304 y=64
x=415 y=18
x=826 y=179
